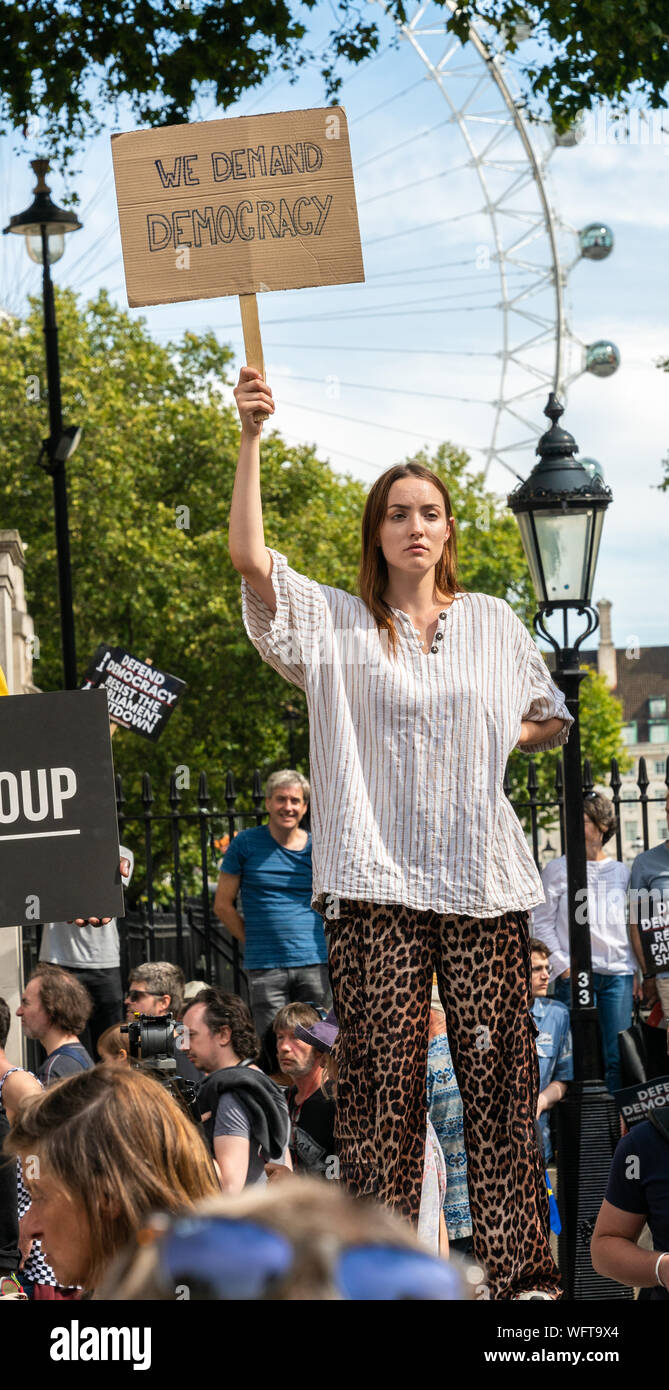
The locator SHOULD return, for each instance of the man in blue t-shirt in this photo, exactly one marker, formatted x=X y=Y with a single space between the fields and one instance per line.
x=285 y=954
x=554 y=1049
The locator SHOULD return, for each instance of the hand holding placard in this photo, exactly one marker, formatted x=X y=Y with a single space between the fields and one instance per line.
x=254 y=400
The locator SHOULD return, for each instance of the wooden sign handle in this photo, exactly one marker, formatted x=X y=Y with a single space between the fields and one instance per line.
x=253 y=343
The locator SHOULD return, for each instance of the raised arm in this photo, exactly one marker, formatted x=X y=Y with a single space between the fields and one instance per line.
x=246 y=537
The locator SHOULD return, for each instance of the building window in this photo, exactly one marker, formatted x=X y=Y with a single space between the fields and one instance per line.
x=660 y=767
x=662 y=829
x=657 y=707
x=631 y=831
x=658 y=731
x=629 y=733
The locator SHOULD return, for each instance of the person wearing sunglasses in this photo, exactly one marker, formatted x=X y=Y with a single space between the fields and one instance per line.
x=307 y=1240
x=156 y=988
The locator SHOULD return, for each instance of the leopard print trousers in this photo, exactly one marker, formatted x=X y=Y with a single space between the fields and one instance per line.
x=382 y=959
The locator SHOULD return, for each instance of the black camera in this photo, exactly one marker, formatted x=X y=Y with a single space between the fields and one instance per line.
x=152 y=1042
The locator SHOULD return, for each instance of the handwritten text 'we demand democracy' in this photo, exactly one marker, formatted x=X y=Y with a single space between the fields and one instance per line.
x=245 y=219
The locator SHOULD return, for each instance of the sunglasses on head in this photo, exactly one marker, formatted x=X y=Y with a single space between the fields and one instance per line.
x=241 y=1260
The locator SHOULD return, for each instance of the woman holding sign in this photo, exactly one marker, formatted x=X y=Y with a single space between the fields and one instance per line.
x=417 y=694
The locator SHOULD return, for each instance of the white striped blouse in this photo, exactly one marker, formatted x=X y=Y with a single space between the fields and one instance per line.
x=407 y=753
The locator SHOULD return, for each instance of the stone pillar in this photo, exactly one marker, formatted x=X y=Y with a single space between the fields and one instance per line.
x=17 y=644
x=606 y=652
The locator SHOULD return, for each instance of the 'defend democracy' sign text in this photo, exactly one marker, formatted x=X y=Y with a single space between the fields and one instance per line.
x=236 y=206
x=59 y=851
x=141 y=698
x=634 y=1102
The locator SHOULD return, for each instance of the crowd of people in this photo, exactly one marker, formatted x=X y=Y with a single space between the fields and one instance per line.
x=383 y=1100
x=103 y=1158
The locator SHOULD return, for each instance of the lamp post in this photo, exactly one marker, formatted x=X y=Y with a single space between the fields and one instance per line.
x=44 y=226
x=560 y=512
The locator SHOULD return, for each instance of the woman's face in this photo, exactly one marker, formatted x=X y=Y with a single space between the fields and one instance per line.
x=57 y=1218
x=415 y=526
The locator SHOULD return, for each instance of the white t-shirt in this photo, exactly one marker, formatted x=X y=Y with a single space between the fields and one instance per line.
x=81 y=948
x=608 y=881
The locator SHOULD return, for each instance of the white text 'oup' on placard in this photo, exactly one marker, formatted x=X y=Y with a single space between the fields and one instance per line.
x=236 y=206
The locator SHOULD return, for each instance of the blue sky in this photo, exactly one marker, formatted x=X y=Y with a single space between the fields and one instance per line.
x=371 y=373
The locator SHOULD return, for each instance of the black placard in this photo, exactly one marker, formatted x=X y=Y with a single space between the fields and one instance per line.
x=634 y=1102
x=654 y=937
x=59 y=850
x=141 y=697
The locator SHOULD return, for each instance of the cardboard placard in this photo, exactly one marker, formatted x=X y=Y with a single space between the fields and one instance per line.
x=236 y=206
x=634 y=1102
x=141 y=697
x=59 y=850
x=654 y=938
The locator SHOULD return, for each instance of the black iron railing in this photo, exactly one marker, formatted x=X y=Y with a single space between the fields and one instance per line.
x=170 y=914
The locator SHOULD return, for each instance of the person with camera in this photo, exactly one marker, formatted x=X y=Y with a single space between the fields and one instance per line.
x=156 y=988
x=244 y=1114
x=55 y=1008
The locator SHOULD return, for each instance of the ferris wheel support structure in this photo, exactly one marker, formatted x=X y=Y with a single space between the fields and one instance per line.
x=542 y=223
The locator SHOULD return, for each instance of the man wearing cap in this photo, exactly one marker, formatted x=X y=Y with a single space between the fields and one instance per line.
x=303 y=1038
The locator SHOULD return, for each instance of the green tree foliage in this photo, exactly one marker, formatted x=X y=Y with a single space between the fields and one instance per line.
x=159 y=438
x=67 y=63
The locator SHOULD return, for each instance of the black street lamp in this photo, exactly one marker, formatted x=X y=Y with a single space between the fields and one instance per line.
x=560 y=511
x=44 y=226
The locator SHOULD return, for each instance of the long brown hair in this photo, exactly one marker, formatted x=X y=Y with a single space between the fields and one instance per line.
x=373 y=574
x=118 y=1143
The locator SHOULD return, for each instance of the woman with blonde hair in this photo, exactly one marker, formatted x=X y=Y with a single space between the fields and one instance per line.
x=417 y=694
x=100 y=1152
x=304 y=1240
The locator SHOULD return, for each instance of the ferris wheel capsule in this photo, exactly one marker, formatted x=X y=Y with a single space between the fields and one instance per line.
x=596 y=241
x=573 y=135
x=602 y=358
